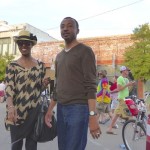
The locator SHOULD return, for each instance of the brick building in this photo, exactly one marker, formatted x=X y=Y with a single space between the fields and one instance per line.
x=108 y=51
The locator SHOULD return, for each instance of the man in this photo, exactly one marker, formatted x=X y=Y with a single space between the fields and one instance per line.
x=123 y=91
x=75 y=91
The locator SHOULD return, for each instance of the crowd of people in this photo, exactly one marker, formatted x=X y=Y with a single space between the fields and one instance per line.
x=81 y=103
x=110 y=97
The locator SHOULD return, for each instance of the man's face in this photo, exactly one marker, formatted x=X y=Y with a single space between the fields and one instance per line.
x=68 y=30
x=126 y=72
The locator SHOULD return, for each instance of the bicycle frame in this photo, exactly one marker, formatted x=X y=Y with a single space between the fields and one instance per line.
x=137 y=125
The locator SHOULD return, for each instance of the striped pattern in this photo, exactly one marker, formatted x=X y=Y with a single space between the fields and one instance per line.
x=24 y=86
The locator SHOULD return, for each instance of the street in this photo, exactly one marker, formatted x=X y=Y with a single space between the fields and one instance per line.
x=105 y=142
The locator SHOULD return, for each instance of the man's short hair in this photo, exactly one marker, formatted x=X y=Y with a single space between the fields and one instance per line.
x=77 y=24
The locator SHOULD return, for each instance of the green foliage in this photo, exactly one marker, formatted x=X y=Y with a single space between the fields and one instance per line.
x=62 y=45
x=137 y=56
x=4 y=61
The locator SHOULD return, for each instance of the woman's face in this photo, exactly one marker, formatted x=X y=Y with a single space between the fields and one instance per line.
x=101 y=76
x=25 y=47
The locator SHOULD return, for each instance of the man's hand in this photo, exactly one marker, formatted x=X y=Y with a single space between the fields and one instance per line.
x=48 y=118
x=94 y=127
x=131 y=83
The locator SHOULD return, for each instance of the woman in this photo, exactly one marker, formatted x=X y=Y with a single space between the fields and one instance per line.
x=103 y=97
x=114 y=94
x=24 y=84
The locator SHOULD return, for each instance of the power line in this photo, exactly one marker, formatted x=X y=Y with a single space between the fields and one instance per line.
x=111 y=10
x=108 y=11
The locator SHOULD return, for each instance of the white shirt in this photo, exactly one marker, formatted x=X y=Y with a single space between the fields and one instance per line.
x=2 y=86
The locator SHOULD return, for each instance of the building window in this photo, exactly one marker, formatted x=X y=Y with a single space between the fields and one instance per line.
x=5 y=45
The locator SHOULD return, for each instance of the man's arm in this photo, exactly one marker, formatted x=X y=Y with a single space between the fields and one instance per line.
x=48 y=116
x=93 y=121
x=89 y=71
x=114 y=91
x=120 y=87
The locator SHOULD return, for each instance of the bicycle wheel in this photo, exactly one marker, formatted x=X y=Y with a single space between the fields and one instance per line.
x=134 y=137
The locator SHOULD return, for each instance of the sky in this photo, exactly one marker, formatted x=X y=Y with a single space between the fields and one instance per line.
x=96 y=17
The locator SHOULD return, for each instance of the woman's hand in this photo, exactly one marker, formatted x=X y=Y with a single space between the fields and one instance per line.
x=46 y=81
x=12 y=114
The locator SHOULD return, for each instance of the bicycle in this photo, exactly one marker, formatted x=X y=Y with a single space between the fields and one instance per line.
x=134 y=130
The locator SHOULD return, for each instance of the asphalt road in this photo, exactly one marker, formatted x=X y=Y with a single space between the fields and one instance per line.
x=105 y=142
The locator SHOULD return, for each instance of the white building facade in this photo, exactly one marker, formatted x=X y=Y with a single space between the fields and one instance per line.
x=8 y=32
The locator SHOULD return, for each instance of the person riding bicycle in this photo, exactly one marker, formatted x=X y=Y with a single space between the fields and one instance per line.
x=123 y=85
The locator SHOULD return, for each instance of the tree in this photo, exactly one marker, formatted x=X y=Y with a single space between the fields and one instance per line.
x=4 y=61
x=137 y=56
